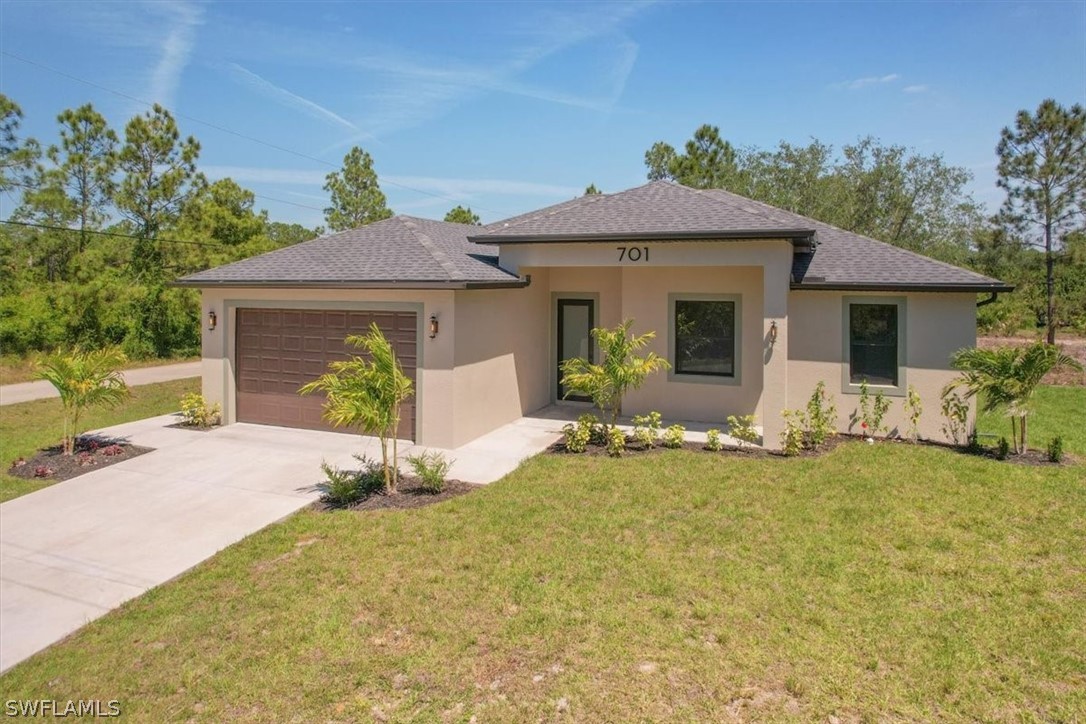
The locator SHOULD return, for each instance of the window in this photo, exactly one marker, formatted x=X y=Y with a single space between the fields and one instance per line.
x=873 y=343
x=704 y=334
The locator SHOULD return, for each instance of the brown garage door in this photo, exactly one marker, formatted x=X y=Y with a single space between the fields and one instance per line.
x=279 y=350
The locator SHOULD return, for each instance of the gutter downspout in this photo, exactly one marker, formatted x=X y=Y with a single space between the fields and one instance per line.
x=989 y=300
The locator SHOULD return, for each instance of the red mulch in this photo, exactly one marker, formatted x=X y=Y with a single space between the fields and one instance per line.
x=91 y=453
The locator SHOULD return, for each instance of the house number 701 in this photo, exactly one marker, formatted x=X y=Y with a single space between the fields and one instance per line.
x=633 y=253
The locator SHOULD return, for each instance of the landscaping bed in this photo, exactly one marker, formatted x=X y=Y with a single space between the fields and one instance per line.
x=91 y=453
x=410 y=493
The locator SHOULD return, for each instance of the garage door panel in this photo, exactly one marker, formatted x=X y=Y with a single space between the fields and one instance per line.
x=279 y=350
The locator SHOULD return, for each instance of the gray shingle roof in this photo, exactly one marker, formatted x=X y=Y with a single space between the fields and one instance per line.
x=660 y=210
x=668 y=211
x=400 y=250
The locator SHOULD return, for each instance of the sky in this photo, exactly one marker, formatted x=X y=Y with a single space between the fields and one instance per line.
x=511 y=106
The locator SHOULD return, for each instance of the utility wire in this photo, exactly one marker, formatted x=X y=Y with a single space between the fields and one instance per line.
x=50 y=227
x=223 y=129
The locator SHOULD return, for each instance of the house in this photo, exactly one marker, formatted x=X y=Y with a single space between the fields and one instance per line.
x=752 y=306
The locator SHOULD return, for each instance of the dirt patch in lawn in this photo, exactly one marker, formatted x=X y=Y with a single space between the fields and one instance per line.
x=1071 y=346
x=409 y=494
x=91 y=453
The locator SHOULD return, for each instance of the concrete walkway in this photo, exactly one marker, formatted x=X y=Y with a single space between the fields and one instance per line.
x=40 y=390
x=71 y=552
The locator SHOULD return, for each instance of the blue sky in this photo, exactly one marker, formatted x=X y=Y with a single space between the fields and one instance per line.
x=507 y=107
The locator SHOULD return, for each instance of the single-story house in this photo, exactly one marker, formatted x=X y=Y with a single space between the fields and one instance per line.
x=751 y=305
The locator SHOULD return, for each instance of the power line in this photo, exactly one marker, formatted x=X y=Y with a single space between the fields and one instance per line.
x=50 y=227
x=223 y=129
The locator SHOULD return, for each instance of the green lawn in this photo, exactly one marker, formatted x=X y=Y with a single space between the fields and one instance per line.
x=1060 y=411
x=876 y=582
x=29 y=426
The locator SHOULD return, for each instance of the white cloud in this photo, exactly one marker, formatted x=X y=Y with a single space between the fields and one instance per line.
x=286 y=98
x=867 y=81
x=915 y=89
x=253 y=174
x=182 y=19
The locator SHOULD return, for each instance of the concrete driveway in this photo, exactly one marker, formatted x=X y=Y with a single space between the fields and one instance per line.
x=71 y=552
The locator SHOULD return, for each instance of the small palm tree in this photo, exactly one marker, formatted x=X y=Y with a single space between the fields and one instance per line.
x=84 y=379
x=367 y=395
x=620 y=371
x=1008 y=377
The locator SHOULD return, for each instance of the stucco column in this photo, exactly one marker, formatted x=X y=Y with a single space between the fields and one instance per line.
x=775 y=352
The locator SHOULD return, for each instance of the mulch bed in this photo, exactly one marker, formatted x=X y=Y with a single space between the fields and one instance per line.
x=409 y=494
x=91 y=453
x=1030 y=457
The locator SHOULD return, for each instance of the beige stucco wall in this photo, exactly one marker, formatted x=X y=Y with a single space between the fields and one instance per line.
x=501 y=356
x=936 y=326
x=435 y=396
x=756 y=271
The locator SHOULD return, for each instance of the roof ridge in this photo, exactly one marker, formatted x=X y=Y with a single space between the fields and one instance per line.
x=437 y=253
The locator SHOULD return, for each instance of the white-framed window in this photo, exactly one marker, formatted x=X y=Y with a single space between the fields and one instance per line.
x=704 y=332
x=874 y=343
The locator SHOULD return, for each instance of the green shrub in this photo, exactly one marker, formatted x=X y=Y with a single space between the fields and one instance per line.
x=674 y=436
x=741 y=427
x=616 y=442
x=1003 y=448
x=371 y=475
x=956 y=412
x=712 y=440
x=195 y=411
x=431 y=468
x=586 y=430
x=878 y=413
x=646 y=429
x=1055 y=450
x=821 y=416
x=341 y=487
x=793 y=434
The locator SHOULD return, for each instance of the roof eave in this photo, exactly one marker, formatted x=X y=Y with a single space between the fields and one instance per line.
x=900 y=287
x=513 y=283
x=796 y=236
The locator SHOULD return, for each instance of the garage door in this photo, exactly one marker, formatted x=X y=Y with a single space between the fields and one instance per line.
x=279 y=350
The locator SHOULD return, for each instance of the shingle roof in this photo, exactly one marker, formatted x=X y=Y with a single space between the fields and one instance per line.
x=667 y=211
x=400 y=250
x=658 y=210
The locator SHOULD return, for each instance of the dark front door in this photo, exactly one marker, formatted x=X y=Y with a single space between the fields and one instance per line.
x=576 y=318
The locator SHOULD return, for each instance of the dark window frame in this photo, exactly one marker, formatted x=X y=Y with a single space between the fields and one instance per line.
x=851 y=386
x=677 y=370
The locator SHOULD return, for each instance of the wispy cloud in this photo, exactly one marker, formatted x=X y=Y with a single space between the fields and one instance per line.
x=284 y=97
x=915 y=89
x=455 y=189
x=181 y=19
x=866 y=81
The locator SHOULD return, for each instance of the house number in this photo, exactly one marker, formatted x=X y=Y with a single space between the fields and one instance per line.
x=633 y=253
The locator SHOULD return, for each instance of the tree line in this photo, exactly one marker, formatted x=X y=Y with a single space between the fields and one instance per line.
x=1036 y=241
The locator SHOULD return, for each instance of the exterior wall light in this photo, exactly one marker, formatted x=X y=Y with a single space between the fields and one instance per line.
x=212 y=320
x=433 y=326
x=773 y=332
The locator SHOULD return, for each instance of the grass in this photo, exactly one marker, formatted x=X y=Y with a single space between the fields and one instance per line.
x=22 y=368
x=676 y=586
x=1060 y=411
x=29 y=426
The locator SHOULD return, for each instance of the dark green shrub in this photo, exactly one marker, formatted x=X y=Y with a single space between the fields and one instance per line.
x=1055 y=450
x=1003 y=448
x=340 y=487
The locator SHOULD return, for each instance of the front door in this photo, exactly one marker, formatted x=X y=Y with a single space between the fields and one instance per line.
x=576 y=318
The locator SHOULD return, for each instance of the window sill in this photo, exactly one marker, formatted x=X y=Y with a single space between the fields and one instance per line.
x=692 y=379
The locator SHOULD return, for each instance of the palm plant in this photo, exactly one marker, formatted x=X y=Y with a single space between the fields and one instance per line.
x=367 y=394
x=84 y=379
x=621 y=369
x=1005 y=378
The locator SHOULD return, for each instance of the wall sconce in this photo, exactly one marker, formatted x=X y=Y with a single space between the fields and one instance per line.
x=212 y=320
x=773 y=332
x=433 y=326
